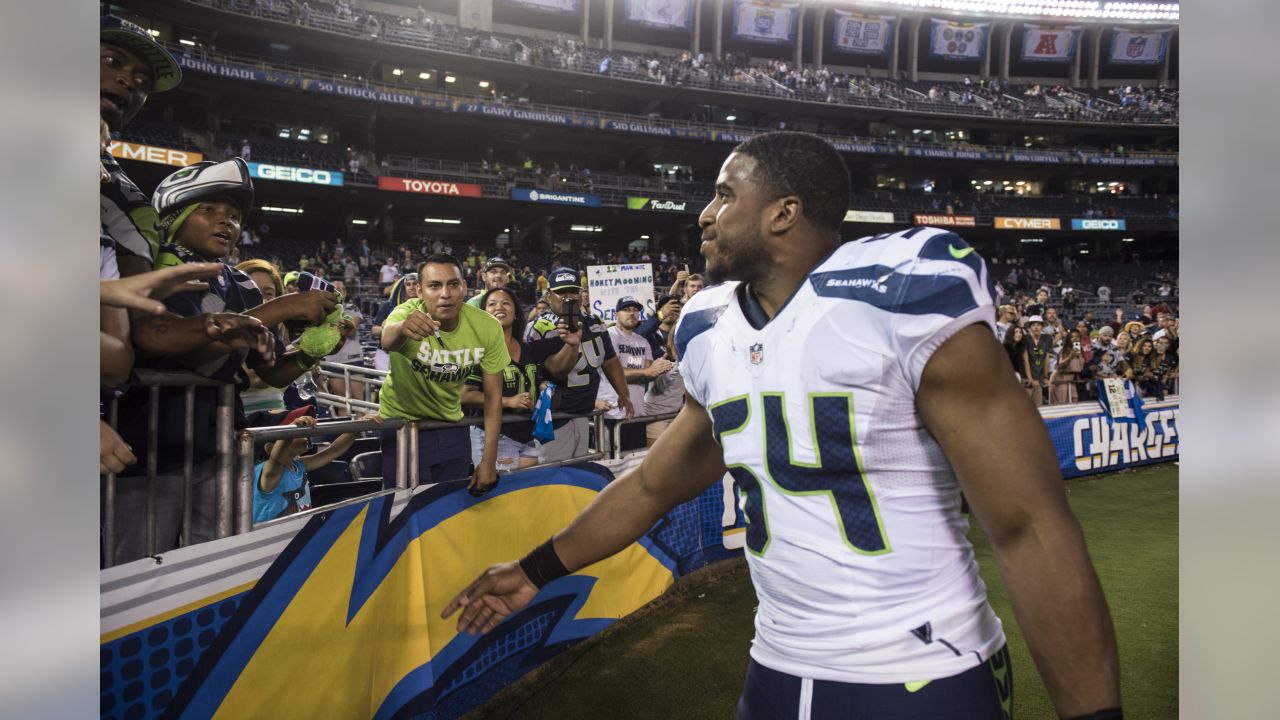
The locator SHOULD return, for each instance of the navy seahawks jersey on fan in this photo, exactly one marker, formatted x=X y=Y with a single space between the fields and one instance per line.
x=234 y=292
x=855 y=538
x=577 y=394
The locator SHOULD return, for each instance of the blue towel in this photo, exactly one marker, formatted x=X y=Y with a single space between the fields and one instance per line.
x=542 y=429
x=1134 y=412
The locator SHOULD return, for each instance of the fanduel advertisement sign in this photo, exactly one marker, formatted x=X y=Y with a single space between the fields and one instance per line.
x=642 y=203
x=1025 y=223
x=153 y=154
x=429 y=187
x=309 y=176
x=868 y=216
x=555 y=198
x=1097 y=224
x=947 y=220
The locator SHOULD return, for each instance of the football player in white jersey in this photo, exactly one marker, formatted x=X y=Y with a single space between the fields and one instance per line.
x=852 y=391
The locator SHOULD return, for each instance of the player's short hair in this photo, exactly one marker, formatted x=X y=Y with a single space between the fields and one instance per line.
x=442 y=259
x=804 y=165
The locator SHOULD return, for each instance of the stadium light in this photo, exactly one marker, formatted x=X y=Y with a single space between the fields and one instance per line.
x=397 y=72
x=424 y=76
x=358 y=221
x=281 y=210
x=450 y=79
x=585 y=228
x=185 y=41
x=153 y=33
x=484 y=83
x=1032 y=240
x=644 y=237
x=730 y=118
x=1126 y=239
x=442 y=221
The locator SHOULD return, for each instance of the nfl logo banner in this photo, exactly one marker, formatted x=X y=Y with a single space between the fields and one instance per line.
x=1139 y=48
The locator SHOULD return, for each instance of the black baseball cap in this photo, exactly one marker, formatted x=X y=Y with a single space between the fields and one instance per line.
x=494 y=262
x=564 y=277
x=165 y=72
x=628 y=301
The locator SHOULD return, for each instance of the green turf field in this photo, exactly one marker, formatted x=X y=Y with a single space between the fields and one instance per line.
x=684 y=657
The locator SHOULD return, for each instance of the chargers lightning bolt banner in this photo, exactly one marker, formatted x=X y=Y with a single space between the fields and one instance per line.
x=765 y=22
x=660 y=14
x=862 y=34
x=337 y=615
x=557 y=7
x=1138 y=48
x=1049 y=44
x=956 y=40
x=1089 y=440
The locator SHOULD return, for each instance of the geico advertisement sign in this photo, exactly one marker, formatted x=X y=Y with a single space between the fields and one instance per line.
x=153 y=154
x=428 y=187
x=1100 y=443
x=1025 y=223
x=1097 y=224
x=947 y=220
x=295 y=174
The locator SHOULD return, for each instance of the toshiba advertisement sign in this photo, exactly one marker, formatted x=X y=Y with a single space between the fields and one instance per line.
x=153 y=154
x=428 y=187
x=947 y=220
x=1028 y=223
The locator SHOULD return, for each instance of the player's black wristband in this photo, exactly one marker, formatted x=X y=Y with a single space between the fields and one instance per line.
x=1108 y=714
x=542 y=565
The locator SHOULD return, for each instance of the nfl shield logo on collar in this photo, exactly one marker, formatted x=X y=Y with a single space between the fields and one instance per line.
x=757 y=353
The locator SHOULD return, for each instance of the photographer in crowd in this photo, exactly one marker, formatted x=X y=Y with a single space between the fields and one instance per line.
x=574 y=349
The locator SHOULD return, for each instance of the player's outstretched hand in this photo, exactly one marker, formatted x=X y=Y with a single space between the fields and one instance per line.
x=499 y=592
x=145 y=291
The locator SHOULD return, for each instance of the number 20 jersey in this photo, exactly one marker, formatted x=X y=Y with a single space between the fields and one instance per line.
x=855 y=539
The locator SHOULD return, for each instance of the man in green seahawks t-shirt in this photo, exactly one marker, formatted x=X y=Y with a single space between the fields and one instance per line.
x=435 y=341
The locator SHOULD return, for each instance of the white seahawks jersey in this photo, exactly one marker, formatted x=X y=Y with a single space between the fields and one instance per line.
x=854 y=536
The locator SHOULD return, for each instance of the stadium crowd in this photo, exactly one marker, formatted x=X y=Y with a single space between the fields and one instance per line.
x=188 y=286
x=733 y=72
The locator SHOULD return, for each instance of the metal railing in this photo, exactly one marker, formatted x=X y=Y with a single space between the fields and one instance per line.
x=154 y=381
x=615 y=448
x=235 y=459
